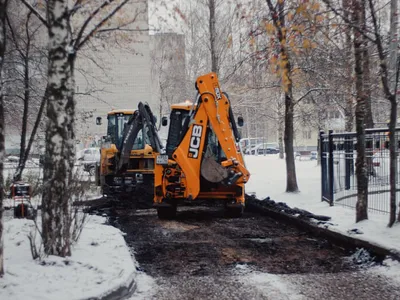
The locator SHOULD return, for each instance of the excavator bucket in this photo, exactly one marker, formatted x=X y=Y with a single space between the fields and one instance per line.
x=211 y=170
x=142 y=119
x=131 y=131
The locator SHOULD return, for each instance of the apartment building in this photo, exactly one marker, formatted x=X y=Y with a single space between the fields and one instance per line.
x=113 y=73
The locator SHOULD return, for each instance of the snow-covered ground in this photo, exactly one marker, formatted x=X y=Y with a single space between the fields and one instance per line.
x=268 y=178
x=100 y=263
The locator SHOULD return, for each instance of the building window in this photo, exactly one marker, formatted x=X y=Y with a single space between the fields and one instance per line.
x=307 y=135
x=334 y=114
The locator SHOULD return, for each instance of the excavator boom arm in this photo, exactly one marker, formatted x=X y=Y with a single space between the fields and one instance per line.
x=142 y=119
x=213 y=112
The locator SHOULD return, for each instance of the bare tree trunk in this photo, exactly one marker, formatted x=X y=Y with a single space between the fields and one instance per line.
x=393 y=162
x=394 y=42
x=25 y=112
x=369 y=122
x=3 y=9
x=291 y=179
x=26 y=58
x=393 y=82
x=213 y=37
x=390 y=94
x=361 y=168
x=349 y=113
x=280 y=138
x=278 y=17
x=59 y=157
x=21 y=165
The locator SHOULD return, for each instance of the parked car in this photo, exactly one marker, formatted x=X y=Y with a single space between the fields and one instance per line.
x=265 y=148
x=89 y=157
x=381 y=164
x=306 y=155
x=314 y=155
x=12 y=159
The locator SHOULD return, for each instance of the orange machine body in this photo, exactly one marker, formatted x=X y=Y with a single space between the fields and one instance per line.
x=209 y=119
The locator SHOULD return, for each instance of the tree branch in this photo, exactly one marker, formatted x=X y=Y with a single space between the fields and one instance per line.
x=121 y=29
x=79 y=45
x=309 y=92
x=88 y=20
x=348 y=21
x=35 y=12
x=14 y=38
x=381 y=54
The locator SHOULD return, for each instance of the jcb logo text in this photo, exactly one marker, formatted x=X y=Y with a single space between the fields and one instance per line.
x=195 y=140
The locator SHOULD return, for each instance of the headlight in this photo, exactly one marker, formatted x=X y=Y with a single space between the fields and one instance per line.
x=117 y=180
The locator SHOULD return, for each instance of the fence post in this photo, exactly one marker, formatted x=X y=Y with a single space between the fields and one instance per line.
x=330 y=166
x=348 y=158
x=323 y=164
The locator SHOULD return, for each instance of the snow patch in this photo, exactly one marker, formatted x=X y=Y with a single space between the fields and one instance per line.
x=100 y=263
x=267 y=183
x=272 y=286
x=390 y=269
x=146 y=287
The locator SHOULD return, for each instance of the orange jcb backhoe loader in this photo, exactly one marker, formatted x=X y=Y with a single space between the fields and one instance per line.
x=126 y=168
x=203 y=160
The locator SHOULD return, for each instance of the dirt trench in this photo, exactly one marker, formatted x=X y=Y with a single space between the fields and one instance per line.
x=201 y=241
x=204 y=255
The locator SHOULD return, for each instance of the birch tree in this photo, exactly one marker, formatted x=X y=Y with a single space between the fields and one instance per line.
x=63 y=47
x=60 y=134
x=3 y=10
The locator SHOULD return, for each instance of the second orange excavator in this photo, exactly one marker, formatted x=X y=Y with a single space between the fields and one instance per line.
x=203 y=160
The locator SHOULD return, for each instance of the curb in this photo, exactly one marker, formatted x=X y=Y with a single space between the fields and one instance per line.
x=303 y=222
x=121 y=293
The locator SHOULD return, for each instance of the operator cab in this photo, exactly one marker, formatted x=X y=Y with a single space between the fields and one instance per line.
x=178 y=126
x=117 y=122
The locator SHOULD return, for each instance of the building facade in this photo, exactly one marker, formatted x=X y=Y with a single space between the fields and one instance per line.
x=113 y=73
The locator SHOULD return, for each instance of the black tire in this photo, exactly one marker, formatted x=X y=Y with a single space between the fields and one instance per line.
x=92 y=170
x=234 y=212
x=97 y=176
x=21 y=211
x=166 y=212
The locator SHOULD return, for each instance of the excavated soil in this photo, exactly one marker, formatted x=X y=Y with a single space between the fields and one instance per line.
x=203 y=255
x=201 y=241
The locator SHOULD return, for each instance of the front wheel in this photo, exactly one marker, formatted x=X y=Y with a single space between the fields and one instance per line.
x=166 y=212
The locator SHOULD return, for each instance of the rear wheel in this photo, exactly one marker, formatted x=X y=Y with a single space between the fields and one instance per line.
x=234 y=211
x=92 y=170
x=166 y=212
x=21 y=211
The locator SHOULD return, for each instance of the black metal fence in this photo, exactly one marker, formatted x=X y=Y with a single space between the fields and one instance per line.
x=338 y=179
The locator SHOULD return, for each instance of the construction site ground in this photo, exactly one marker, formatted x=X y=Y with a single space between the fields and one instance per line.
x=204 y=255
